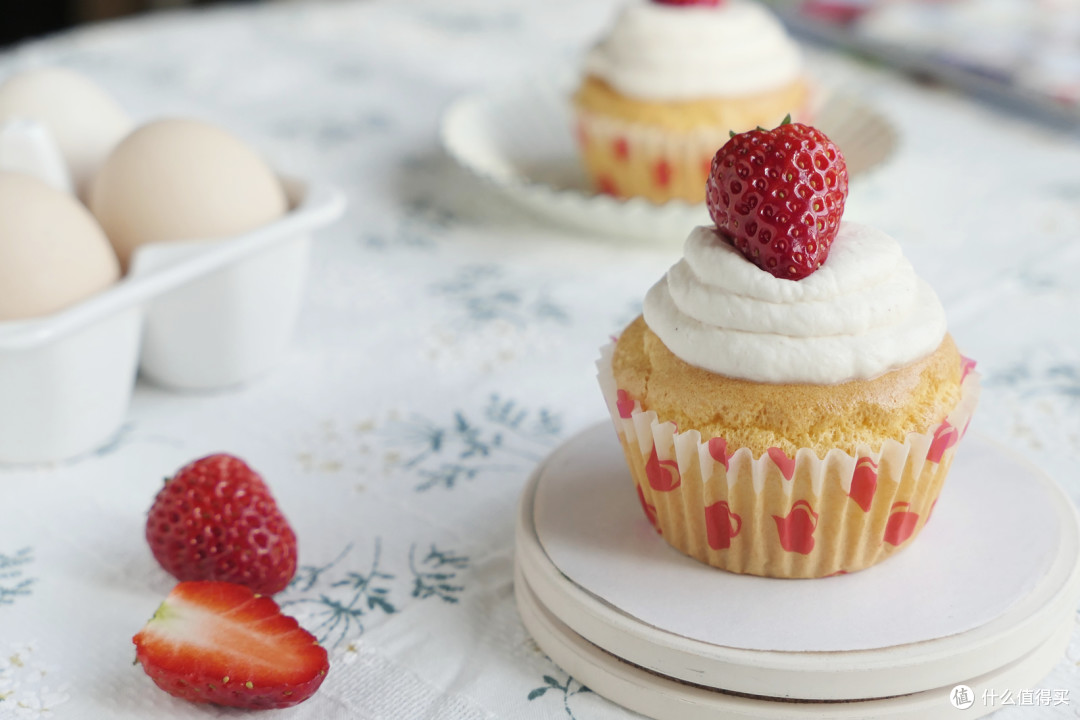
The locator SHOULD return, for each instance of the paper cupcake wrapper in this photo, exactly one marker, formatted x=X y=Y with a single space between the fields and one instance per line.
x=781 y=516
x=625 y=159
x=633 y=159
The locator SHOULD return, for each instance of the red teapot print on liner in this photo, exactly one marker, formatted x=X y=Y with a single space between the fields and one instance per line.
x=782 y=461
x=650 y=511
x=621 y=149
x=966 y=366
x=864 y=483
x=721 y=525
x=718 y=451
x=662 y=173
x=944 y=438
x=901 y=523
x=796 y=531
x=624 y=404
x=663 y=474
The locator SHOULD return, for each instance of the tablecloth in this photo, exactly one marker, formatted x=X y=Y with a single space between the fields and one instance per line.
x=447 y=344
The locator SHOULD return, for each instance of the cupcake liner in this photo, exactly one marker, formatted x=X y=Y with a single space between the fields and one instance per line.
x=781 y=516
x=627 y=159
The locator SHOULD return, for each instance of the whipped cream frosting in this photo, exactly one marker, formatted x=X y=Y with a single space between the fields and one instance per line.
x=862 y=313
x=670 y=52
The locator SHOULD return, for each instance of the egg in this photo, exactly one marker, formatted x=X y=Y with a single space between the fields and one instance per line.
x=53 y=253
x=85 y=122
x=181 y=179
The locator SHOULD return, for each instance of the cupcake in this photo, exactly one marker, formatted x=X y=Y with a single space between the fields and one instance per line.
x=790 y=401
x=662 y=91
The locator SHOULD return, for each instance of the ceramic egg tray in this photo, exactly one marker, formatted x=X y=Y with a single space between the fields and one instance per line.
x=200 y=315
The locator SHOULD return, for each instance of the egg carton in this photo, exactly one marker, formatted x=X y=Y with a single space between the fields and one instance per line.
x=192 y=316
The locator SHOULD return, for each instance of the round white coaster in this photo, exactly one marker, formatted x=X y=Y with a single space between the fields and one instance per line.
x=662 y=698
x=991 y=578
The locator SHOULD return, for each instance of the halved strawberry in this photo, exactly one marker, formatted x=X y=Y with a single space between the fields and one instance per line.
x=218 y=642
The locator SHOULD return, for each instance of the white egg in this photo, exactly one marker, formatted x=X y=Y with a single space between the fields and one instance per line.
x=53 y=253
x=182 y=179
x=85 y=122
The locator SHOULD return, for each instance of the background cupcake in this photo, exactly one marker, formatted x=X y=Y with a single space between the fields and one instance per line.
x=662 y=91
x=790 y=402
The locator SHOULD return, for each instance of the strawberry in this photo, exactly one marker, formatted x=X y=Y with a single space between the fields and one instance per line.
x=218 y=642
x=777 y=195
x=216 y=520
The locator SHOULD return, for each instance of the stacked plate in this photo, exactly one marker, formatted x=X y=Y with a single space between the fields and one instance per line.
x=981 y=603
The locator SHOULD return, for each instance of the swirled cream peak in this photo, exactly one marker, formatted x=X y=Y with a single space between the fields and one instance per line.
x=670 y=52
x=863 y=313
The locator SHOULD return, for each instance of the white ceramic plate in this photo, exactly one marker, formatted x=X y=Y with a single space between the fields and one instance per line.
x=519 y=140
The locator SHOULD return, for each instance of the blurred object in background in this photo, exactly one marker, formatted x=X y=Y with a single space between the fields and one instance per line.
x=1021 y=53
x=21 y=19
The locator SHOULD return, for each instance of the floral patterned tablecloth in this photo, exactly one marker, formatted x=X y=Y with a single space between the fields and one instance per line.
x=447 y=344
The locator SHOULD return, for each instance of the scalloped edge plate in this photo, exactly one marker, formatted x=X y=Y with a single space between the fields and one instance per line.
x=518 y=140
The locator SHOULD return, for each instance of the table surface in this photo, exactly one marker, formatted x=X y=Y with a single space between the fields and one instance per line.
x=447 y=344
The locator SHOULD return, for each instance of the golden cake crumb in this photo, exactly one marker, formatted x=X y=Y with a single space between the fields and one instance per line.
x=788 y=416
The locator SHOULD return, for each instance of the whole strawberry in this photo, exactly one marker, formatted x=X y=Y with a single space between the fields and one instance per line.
x=778 y=195
x=220 y=643
x=216 y=520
